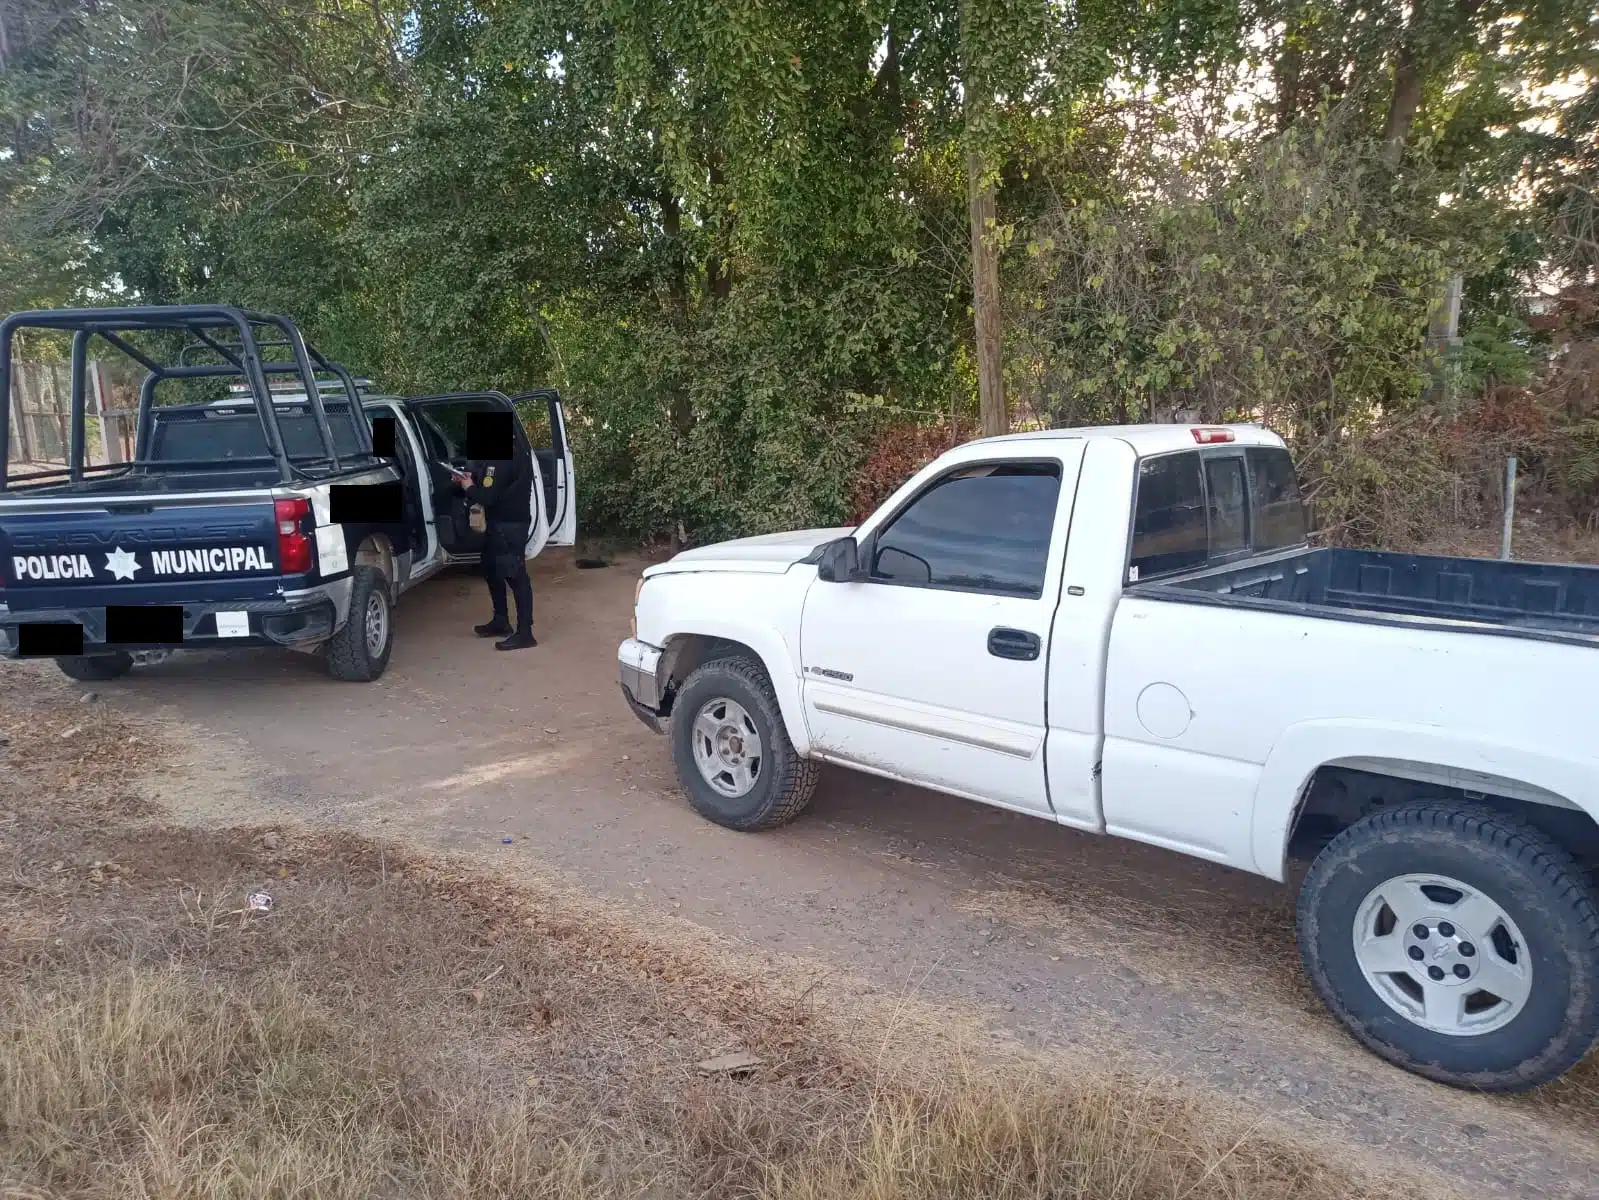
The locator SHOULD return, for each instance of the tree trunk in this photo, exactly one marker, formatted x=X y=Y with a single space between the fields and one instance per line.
x=1286 y=72
x=1402 y=108
x=985 y=300
x=718 y=272
x=887 y=82
x=672 y=226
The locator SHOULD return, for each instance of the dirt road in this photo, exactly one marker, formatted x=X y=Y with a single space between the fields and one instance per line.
x=1059 y=939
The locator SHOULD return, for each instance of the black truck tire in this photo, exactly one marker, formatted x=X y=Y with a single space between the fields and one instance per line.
x=1487 y=976
x=359 y=652
x=739 y=710
x=96 y=668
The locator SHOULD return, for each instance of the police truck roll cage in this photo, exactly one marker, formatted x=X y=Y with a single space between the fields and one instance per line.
x=222 y=331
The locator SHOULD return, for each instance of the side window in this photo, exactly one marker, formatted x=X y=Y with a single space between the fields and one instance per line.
x=1169 y=527
x=984 y=528
x=1279 y=513
x=535 y=417
x=444 y=428
x=445 y=425
x=1227 y=503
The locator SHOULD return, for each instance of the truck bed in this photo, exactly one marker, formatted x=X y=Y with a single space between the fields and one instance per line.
x=1555 y=601
x=150 y=479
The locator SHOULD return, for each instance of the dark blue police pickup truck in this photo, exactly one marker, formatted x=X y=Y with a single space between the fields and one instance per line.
x=256 y=510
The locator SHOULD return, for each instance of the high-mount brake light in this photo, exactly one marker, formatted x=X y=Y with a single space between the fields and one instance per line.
x=1212 y=436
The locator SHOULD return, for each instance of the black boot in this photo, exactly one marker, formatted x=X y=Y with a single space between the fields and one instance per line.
x=498 y=627
x=520 y=640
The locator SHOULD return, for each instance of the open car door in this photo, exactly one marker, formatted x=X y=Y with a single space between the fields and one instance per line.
x=544 y=417
x=442 y=421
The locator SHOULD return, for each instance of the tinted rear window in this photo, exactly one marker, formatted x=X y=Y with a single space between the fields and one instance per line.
x=214 y=437
x=1227 y=505
x=1192 y=509
x=1169 y=531
x=1279 y=513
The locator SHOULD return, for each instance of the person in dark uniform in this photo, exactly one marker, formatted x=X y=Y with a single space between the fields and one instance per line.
x=504 y=489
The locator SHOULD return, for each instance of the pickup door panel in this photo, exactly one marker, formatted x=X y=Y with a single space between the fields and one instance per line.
x=1096 y=558
x=555 y=463
x=418 y=481
x=899 y=675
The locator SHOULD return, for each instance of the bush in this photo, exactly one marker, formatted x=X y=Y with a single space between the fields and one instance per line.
x=897 y=453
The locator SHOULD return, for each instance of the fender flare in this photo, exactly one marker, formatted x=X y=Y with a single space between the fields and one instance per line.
x=1305 y=748
x=770 y=649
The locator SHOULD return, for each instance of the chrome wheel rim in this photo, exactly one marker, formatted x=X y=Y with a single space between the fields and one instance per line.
x=727 y=747
x=1443 y=955
x=377 y=625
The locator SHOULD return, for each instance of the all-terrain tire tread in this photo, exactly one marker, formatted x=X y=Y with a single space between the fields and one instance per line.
x=346 y=650
x=796 y=777
x=1527 y=849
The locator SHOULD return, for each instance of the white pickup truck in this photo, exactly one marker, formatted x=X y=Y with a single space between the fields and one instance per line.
x=1124 y=630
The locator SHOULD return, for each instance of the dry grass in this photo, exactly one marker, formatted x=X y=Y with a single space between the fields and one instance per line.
x=395 y=1028
x=150 y=1084
x=1538 y=537
x=976 y=1136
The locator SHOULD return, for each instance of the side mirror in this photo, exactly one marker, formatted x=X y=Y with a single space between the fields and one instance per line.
x=839 y=561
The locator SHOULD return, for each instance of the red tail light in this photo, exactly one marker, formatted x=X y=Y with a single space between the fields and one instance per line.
x=294 y=545
x=1212 y=437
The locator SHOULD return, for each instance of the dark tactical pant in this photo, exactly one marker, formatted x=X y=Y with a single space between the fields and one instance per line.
x=504 y=564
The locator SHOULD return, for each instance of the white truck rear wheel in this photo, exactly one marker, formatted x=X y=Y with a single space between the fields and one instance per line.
x=1459 y=943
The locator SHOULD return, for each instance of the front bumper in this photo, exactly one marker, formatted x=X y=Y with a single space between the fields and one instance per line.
x=639 y=664
x=298 y=621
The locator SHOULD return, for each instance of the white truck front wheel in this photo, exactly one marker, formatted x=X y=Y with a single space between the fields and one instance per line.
x=1457 y=942
x=733 y=754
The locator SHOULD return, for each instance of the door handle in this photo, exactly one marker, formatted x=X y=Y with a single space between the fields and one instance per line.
x=1014 y=643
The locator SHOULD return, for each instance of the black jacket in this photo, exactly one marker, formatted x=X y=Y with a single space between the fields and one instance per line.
x=505 y=490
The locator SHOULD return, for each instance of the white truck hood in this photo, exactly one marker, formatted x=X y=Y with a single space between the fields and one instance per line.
x=773 y=552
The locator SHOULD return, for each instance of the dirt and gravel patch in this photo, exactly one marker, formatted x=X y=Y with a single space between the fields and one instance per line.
x=898 y=915
x=397 y=1025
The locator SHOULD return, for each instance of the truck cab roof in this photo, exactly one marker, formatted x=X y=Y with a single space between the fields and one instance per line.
x=1149 y=439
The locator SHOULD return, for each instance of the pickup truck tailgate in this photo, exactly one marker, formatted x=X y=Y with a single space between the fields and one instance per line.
x=151 y=551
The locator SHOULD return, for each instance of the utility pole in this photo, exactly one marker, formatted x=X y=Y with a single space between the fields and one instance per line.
x=985 y=300
x=981 y=206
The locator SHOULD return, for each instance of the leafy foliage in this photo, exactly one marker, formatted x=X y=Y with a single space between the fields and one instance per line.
x=1269 y=285
x=735 y=233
